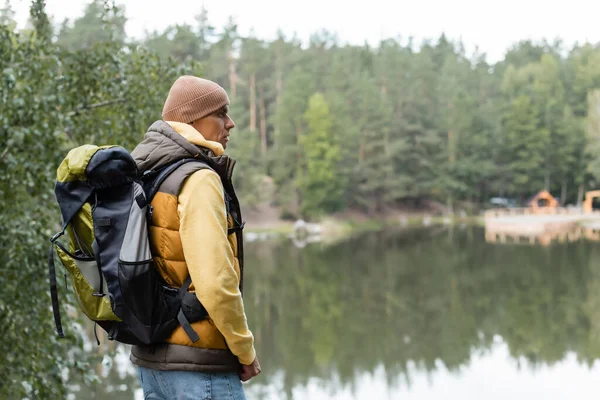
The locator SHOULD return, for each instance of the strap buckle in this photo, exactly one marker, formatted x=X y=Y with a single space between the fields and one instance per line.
x=55 y=237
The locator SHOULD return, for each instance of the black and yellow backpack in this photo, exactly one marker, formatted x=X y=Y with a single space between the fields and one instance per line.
x=105 y=205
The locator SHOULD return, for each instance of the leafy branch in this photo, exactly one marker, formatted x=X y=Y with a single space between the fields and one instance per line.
x=94 y=106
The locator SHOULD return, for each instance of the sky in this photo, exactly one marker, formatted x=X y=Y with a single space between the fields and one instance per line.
x=490 y=26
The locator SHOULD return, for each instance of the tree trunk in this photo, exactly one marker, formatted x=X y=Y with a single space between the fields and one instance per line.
x=451 y=151
x=278 y=93
x=299 y=172
x=278 y=86
x=361 y=152
x=482 y=193
x=563 y=193
x=580 y=195
x=263 y=123
x=232 y=76
x=451 y=139
x=253 y=102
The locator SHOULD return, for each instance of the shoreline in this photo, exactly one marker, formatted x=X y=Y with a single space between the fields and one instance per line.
x=332 y=228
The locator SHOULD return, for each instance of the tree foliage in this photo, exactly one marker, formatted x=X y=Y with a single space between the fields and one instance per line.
x=412 y=122
x=101 y=22
x=322 y=153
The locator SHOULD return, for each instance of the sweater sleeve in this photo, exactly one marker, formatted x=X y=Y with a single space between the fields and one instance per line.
x=210 y=260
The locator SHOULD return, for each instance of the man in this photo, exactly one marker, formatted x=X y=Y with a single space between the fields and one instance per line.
x=195 y=231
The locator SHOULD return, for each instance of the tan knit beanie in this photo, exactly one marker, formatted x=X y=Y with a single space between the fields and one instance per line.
x=192 y=98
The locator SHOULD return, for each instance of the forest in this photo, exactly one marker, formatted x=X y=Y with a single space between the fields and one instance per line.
x=322 y=127
x=331 y=126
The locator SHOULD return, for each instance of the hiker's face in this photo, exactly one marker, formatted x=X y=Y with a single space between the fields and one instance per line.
x=216 y=126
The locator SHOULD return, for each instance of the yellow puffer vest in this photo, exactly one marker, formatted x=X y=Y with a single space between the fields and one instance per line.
x=168 y=254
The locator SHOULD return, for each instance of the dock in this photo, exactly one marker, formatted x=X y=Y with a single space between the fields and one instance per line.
x=541 y=225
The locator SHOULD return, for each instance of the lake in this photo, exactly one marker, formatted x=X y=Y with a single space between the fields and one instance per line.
x=425 y=313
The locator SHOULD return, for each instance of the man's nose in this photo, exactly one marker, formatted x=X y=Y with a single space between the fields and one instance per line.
x=230 y=124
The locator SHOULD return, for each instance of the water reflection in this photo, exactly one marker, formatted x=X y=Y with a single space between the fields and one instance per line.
x=406 y=312
x=562 y=233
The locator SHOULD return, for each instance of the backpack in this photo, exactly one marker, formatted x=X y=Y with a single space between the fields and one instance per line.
x=105 y=207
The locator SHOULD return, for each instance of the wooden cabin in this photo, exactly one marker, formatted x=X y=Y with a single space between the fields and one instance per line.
x=542 y=200
x=588 y=203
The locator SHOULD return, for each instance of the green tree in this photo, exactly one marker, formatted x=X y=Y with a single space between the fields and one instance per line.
x=456 y=105
x=291 y=125
x=100 y=22
x=221 y=63
x=7 y=16
x=583 y=76
x=375 y=184
x=320 y=186
x=593 y=132
x=524 y=145
x=177 y=41
x=424 y=139
x=254 y=69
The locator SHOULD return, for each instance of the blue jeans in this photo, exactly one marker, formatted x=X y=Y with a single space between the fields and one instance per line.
x=183 y=385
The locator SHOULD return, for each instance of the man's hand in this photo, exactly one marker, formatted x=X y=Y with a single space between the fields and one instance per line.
x=250 y=371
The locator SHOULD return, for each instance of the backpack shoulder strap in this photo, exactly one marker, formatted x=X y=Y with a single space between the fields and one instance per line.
x=174 y=183
x=154 y=180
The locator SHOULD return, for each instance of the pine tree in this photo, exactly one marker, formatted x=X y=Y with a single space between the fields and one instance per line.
x=593 y=132
x=524 y=145
x=177 y=41
x=424 y=139
x=7 y=16
x=99 y=23
x=288 y=156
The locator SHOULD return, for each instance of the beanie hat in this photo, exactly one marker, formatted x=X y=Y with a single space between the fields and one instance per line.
x=192 y=98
